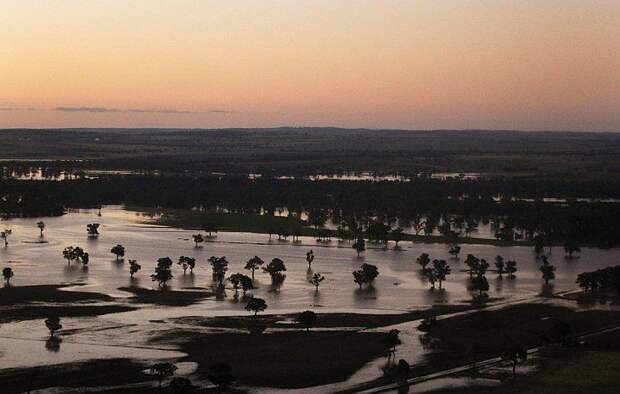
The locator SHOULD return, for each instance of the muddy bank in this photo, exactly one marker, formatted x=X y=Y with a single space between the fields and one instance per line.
x=292 y=359
x=323 y=320
x=165 y=296
x=96 y=373
x=32 y=312
x=46 y=293
x=39 y=302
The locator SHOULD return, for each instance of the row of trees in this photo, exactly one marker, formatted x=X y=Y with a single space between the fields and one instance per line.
x=424 y=206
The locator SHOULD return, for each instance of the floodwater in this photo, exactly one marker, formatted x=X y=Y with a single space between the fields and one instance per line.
x=398 y=288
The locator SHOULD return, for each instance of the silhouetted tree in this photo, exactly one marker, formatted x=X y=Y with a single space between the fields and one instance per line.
x=4 y=235
x=423 y=260
x=162 y=271
x=7 y=274
x=93 y=230
x=306 y=319
x=366 y=274
x=316 y=280
x=256 y=305
x=441 y=270
x=41 y=226
x=239 y=280
x=198 y=239
x=500 y=265
x=511 y=268
x=310 y=258
x=455 y=250
x=187 y=262
x=359 y=245
x=548 y=270
x=119 y=251
x=134 y=267
x=219 y=266
x=275 y=269
x=253 y=264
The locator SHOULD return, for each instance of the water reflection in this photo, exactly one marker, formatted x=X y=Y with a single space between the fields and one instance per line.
x=187 y=280
x=53 y=344
x=547 y=290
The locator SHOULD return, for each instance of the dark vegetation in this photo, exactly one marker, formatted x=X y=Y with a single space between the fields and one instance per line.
x=307 y=151
x=274 y=359
x=26 y=303
x=96 y=373
x=165 y=297
x=356 y=203
x=208 y=170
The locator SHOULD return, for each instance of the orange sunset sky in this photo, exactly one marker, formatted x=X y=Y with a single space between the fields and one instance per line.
x=494 y=64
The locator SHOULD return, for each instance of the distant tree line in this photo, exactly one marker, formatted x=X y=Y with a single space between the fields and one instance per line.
x=446 y=206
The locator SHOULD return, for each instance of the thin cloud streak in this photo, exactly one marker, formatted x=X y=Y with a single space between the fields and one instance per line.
x=134 y=110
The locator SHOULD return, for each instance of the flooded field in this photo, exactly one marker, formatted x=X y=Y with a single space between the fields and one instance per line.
x=399 y=287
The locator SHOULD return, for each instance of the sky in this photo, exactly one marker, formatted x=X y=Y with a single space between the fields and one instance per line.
x=449 y=64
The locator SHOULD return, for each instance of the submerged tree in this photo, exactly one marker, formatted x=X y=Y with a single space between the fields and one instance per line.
x=4 y=235
x=511 y=268
x=366 y=274
x=240 y=281
x=162 y=271
x=275 y=269
x=500 y=265
x=93 y=230
x=198 y=239
x=455 y=250
x=119 y=251
x=441 y=270
x=187 y=262
x=256 y=305
x=548 y=270
x=41 y=226
x=310 y=258
x=7 y=274
x=359 y=245
x=316 y=280
x=134 y=267
x=253 y=264
x=219 y=266
x=423 y=260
